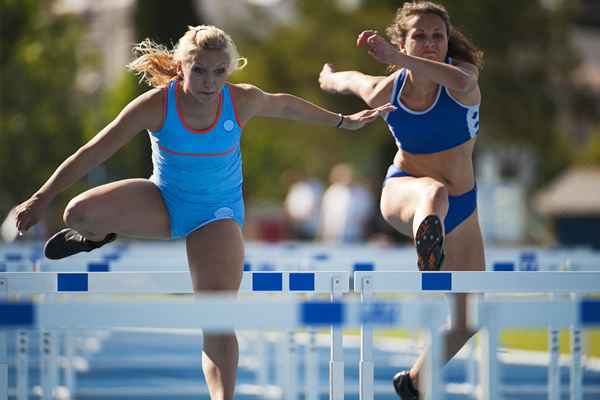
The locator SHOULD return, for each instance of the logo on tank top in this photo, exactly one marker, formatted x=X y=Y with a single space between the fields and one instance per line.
x=228 y=125
x=224 y=212
x=473 y=120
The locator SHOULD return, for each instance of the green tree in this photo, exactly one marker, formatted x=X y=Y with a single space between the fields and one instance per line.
x=41 y=108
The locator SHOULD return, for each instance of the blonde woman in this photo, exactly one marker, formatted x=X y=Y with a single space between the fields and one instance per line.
x=194 y=119
x=429 y=192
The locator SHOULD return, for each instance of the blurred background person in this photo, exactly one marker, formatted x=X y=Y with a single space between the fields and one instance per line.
x=303 y=206
x=347 y=207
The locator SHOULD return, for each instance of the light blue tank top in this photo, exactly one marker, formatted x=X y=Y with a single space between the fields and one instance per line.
x=198 y=166
x=446 y=124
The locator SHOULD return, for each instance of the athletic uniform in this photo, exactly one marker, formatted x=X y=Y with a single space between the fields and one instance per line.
x=446 y=124
x=198 y=172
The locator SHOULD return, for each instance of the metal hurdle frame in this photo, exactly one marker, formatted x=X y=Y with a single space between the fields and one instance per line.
x=366 y=332
x=29 y=283
x=206 y=312
x=370 y=282
x=491 y=316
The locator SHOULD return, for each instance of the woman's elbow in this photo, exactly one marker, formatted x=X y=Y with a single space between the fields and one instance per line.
x=464 y=84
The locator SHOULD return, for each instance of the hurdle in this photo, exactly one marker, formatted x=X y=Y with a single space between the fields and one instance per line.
x=333 y=284
x=491 y=316
x=367 y=283
x=206 y=312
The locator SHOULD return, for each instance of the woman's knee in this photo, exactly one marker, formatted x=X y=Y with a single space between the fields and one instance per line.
x=77 y=212
x=394 y=212
x=435 y=193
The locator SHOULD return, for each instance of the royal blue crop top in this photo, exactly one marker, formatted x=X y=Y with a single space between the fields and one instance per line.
x=446 y=124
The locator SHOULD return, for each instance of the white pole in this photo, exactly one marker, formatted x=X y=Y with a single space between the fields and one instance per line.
x=3 y=346
x=292 y=387
x=489 y=389
x=312 y=367
x=471 y=366
x=554 y=364
x=48 y=367
x=262 y=375
x=281 y=362
x=576 y=366
x=22 y=366
x=433 y=368
x=336 y=361
x=3 y=366
x=70 y=354
x=366 y=368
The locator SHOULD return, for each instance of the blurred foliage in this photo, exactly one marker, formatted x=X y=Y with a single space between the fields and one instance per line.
x=590 y=155
x=41 y=110
x=526 y=85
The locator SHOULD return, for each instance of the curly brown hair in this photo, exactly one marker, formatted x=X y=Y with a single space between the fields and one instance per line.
x=459 y=46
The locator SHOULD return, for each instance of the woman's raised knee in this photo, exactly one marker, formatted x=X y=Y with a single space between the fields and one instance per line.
x=436 y=193
x=76 y=213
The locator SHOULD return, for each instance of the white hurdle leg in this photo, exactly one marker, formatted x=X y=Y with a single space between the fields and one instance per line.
x=312 y=367
x=576 y=381
x=433 y=371
x=336 y=361
x=366 y=368
x=489 y=382
x=471 y=366
x=3 y=366
x=22 y=366
x=292 y=383
x=48 y=370
x=281 y=362
x=3 y=346
x=262 y=375
x=554 y=364
x=69 y=369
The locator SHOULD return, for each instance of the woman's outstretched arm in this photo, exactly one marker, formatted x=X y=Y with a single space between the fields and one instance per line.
x=371 y=89
x=145 y=112
x=287 y=106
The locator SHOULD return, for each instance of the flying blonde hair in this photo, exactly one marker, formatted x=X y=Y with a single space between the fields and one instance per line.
x=157 y=65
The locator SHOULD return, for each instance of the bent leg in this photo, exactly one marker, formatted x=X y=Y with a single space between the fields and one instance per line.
x=131 y=207
x=216 y=256
x=464 y=252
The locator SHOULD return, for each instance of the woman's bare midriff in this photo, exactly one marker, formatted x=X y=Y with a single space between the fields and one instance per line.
x=453 y=168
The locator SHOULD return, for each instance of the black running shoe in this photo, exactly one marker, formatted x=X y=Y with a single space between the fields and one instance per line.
x=430 y=244
x=404 y=386
x=68 y=242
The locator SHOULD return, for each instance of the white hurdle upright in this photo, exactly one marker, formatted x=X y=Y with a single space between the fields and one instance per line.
x=206 y=312
x=370 y=282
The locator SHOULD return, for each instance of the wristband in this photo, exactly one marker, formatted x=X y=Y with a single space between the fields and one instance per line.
x=341 y=121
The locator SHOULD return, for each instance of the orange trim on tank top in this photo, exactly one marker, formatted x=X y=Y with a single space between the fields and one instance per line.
x=229 y=150
x=235 y=110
